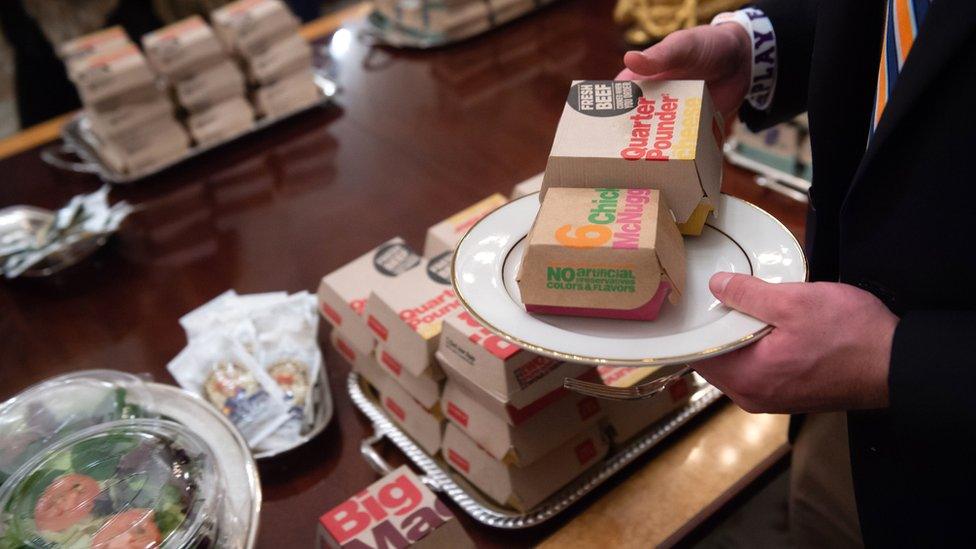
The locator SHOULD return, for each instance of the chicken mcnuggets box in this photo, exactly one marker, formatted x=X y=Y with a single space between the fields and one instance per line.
x=602 y=252
x=176 y=50
x=395 y=511
x=406 y=313
x=342 y=294
x=424 y=388
x=424 y=426
x=509 y=380
x=91 y=44
x=523 y=487
x=248 y=25
x=661 y=135
x=125 y=116
x=224 y=120
x=208 y=87
x=135 y=152
x=627 y=418
x=279 y=59
x=527 y=187
x=444 y=236
x=111 y=73
x=287 y=95
x=527 y=442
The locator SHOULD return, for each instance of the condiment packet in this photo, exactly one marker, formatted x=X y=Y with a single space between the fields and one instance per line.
x=226 y=375
x=294 y=365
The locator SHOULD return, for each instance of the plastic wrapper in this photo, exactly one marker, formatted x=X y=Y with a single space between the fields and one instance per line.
x=223 y=372
x=125 y=484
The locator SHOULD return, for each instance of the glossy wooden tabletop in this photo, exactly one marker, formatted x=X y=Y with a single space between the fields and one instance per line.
x=414 y=137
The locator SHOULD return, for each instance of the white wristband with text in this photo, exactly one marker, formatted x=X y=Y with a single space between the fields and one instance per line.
x=760 y=30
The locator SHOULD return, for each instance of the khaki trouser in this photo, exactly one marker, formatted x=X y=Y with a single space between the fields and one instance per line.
x=822 y=508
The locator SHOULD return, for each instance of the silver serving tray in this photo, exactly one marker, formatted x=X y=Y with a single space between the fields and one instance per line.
x=322 y=398
x=79 y=141
x=440 y=478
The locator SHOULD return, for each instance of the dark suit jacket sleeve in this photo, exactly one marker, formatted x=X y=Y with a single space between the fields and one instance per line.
x=793 y=23
x=933 y=375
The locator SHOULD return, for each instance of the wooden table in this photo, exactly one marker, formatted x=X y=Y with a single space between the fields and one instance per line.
x=414 y=137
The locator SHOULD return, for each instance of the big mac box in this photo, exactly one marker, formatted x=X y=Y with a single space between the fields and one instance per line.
x=662 y=135
x=505 y=379
x=444 y=236
x=602 y=252
x=343 y=293
x=395 y=511
x=406 y=313
x=246 y=26
x=177 y=50
x=522 y=487
x=527 y=442
x=424 y=426
x=627 y=418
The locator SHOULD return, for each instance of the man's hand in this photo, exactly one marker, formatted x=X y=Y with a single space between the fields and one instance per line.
x=829 y=349
x=721 y=55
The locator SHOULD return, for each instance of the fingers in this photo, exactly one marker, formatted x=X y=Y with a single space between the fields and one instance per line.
x=627 y=74
x=676 y=51
x=752 y=296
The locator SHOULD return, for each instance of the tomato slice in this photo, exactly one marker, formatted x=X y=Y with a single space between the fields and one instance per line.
x=132 y=529
x=68 y=500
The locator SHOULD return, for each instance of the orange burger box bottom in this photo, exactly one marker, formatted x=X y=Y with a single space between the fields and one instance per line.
x=507 y=380
x=342 y=294
x=406 y=313
x=628 y=418
x=395 y=511
x=602 y=252
x=522 y=488
x=444 y=236
x=531 y=440
x=661 y=135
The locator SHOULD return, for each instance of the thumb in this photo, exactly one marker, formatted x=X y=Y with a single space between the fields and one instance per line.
x=674 y=52
x=750 y=295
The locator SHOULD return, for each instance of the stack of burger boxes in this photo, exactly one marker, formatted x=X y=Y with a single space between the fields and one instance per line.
x=453 y=19
x=129 y=113
x=205 y=81
x=277 y=60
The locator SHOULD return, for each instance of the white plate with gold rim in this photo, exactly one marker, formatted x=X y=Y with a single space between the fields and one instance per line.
x=742 y=238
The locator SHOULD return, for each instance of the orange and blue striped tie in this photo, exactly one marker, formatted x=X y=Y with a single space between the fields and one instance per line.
x=903 y=18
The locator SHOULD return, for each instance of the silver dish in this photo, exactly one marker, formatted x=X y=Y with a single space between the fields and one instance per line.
x=27 y=223
x=440 y=478
x=79 y=141
x=322 y=400
x=238 y=528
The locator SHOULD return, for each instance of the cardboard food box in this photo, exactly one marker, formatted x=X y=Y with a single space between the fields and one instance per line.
x=527 y=187
x=104 y=75
x=523 y=487
x=176 y=50
x=127 y=117
x=602 y=252
x=248 y=25
x=279 y=59
x=395 y=511
x=527 y=442
x=661 y=135
x=287 y=95
x=363 y=364
x=406 y=314
x=162 y=142
x=627 y=418
x=777 y=147
x=521 y=406
x=508 y=377
x=208 y=87
x=91 y=44
x=425 y=388
x=222 y=121
x=444 y=236
x=426 y=427
x=342 y=294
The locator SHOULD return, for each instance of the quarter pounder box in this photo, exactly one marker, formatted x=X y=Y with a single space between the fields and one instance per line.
x=162 y=142
x=395 y=511
x=406 y=314
x=247 y=25
x=526 y=443
x=523 y=487
x=426 y=427
x=661 y=135
x=211 y=86
x=125 y=117
x=279 y=59
x=343 y=293
x=602 y=252
x=90 y=44
x=111 y=73
x=444 y=236
x=221 y=121
x=177 y=49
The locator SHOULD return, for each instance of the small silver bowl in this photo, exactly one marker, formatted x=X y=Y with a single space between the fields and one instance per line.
x=27 y=223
